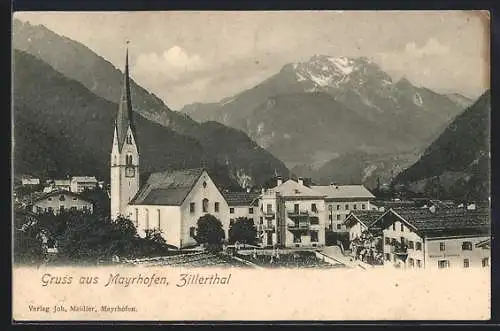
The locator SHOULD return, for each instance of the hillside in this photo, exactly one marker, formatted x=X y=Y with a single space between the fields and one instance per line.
x=337 y=105
x=94 y=73
x=459 y=158
x=62 y=128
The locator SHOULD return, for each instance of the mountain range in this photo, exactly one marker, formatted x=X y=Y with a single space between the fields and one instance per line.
x=458 y=161
x=65 y=96
x=325 y=111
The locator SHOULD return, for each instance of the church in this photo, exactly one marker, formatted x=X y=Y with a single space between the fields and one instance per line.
x=170 y=201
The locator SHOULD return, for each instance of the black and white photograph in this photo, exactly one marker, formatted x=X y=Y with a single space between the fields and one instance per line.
x=252 y=140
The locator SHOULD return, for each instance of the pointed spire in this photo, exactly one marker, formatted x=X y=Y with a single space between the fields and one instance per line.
x=124 y=118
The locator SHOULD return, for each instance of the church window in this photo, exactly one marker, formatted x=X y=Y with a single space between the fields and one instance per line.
x=205 y=205
x=216 y=207
x=191 y=207
x=128 y=159
x=192 y=232
x=129 y=139
x=204 y=184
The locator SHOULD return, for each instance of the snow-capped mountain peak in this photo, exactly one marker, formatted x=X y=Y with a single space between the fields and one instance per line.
x=325 y=71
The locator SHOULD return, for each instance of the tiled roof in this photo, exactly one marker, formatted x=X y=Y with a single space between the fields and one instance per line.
x=240 y=198
x=368 y=218
x=343 y=191
x=168 y=188
x=291 y=188
x=446 y=222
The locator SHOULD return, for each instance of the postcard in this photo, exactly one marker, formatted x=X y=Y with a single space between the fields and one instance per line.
x=251 y=166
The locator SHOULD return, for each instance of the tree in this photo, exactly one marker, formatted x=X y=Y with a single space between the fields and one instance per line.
x=210 y=232
x=243 y=230
x=27 y=241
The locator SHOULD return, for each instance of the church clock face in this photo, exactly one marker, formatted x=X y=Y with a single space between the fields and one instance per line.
x=130 y=171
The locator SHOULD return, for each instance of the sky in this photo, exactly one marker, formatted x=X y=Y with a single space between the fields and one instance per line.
x=187 y=56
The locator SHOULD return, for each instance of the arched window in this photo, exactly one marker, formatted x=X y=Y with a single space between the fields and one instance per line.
x=205 y=205
x=466 y=246
x=129 y=139
x=62 y=198
x=128 y=159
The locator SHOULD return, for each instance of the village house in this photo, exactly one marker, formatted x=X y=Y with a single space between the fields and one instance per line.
x=30 y=181
x=341 y=200
x=294 y=215
x=360 y=221
x=62 y=184
x=430 y=238
x=80 y=183
x=243 y=204
x=57 y=201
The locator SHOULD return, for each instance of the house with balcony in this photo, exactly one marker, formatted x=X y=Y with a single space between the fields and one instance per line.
x=358 y=222
x=436 y=239
x=340 y=200
x=294 y=215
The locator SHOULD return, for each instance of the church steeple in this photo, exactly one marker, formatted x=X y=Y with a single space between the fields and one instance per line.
x=124 y=119
x=124 y=153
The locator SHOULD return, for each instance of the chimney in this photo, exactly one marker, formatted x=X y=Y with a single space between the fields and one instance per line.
x=279 y=181
x=301 y=181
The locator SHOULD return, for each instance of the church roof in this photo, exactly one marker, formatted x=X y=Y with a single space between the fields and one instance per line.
x=124 y=118
x=169 y=188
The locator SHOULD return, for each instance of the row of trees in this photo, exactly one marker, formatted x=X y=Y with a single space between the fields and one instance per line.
x=86 y=238
x=211 y=233
x=81 y=237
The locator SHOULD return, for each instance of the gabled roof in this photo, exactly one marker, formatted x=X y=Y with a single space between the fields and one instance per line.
x=366 y=218
x=291 y=188
x=169 y=188
x=442 y=222
x=343 y=191
x=241 y=198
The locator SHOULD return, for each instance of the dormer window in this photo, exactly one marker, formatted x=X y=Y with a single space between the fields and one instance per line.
x=129 y=139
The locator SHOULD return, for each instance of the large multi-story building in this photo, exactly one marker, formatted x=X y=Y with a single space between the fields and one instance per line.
x=423 y=238
x=79 y=184
x=340 y=200
x=294 y=215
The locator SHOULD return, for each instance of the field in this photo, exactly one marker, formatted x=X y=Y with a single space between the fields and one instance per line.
x=295 y=259
x=198 y=260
